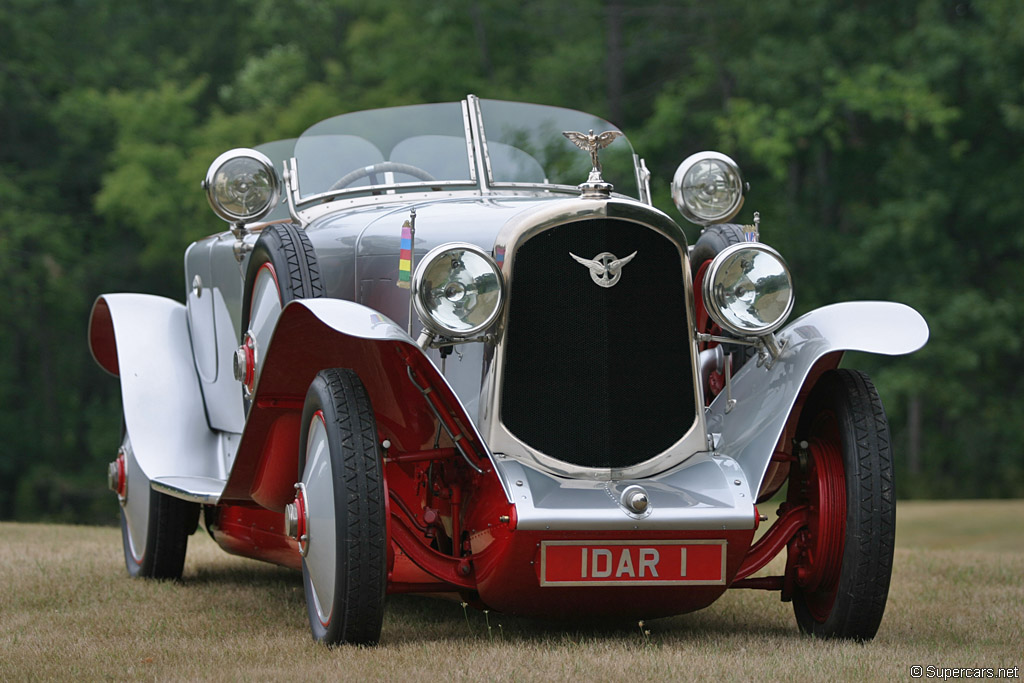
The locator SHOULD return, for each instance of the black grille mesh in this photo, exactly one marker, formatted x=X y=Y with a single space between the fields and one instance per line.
x=594 y=376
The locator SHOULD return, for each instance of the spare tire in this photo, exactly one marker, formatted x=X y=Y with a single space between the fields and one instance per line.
x=713 y=239
x=282 y=267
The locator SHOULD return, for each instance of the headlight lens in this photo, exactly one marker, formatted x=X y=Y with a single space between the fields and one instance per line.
x=242 y=186
x=457 y=290
x=708 y=188
x=748 y=289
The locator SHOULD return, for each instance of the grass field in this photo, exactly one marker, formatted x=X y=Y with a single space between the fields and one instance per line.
x=69 y=611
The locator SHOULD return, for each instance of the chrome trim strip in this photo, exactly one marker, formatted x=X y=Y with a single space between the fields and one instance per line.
x=552 y=188
x=409 y=199
x=291 y=181
x=643 y=180
x=468 y=128
x=195 y=489
x=547 y=187
x=324 y=196
x=482 y=156
x=511 y=236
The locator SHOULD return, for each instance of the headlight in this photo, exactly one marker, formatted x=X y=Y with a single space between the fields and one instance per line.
x=708 y=188
x=242 y=186
x=748 y=290
x=457 y=290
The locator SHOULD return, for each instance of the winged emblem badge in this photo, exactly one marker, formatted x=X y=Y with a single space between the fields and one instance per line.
x=605 y=268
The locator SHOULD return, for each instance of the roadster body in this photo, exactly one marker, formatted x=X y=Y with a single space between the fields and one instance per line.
x=454 y=349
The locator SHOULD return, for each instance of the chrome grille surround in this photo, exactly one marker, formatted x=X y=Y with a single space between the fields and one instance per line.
x=511 y=238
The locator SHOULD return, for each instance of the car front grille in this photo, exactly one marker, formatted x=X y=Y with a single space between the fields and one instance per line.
x=597 y=376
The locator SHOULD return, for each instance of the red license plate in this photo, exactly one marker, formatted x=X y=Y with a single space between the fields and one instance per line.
x=632 y=563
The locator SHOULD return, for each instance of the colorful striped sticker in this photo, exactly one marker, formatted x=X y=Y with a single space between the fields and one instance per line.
x=405 y=257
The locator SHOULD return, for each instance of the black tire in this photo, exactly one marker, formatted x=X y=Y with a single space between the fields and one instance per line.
x=712 y=240
x=296 y=273
x=288 y=249
x=356 y=612
x=171 y=522
x=163 y=532
x=844 y=410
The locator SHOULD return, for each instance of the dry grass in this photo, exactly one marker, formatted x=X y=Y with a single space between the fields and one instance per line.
x=68 y=611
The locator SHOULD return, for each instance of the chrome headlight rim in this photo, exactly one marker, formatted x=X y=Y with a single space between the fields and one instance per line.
x=714 y=305
x=425 y=316
x=211 y=191
x=688 y=212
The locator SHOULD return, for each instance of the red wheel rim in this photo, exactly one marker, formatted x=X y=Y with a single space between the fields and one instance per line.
x=819 y=548
x=302 y=524
x=250 y=362
x=122 y=477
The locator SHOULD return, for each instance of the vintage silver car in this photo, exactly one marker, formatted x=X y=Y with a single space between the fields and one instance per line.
x=454 y=349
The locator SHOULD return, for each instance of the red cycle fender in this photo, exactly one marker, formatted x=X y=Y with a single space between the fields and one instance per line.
x=314 y=334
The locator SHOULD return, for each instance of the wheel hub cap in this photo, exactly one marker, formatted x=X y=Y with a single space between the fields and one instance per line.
x=296 y=520
x=116 y=479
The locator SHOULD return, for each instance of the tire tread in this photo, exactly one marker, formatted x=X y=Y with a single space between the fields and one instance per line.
x=871 y=509
x=359 y=506
x=713 y=239
x=298 y=274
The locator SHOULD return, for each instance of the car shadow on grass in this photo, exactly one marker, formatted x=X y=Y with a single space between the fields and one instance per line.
x=441 y=618
x=417 y=619
x=257 y=575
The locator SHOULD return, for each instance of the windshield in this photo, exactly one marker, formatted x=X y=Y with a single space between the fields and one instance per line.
x=431 y=147
x=525 y=144
x=419 y=144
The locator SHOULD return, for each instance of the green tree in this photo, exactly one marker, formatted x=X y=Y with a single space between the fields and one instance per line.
x=880 y=139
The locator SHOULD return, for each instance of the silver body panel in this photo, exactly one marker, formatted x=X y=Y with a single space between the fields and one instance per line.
x=765 y=397
x=214 y=312
x=358 y=254
x=705 y=492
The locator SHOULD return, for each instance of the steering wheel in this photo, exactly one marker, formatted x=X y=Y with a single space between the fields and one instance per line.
x=382 y=167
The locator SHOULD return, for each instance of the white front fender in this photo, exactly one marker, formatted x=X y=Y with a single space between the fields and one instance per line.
x=144 y=340
x=764 y=398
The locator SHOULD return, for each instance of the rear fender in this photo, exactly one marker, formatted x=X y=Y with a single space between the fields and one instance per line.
x=314 y=334
x=765 y=398
x=144 y=340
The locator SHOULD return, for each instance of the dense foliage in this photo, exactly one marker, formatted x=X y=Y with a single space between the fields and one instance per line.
x=882 y=142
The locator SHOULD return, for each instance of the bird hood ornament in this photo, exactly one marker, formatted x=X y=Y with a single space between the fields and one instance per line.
x=595 y=187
